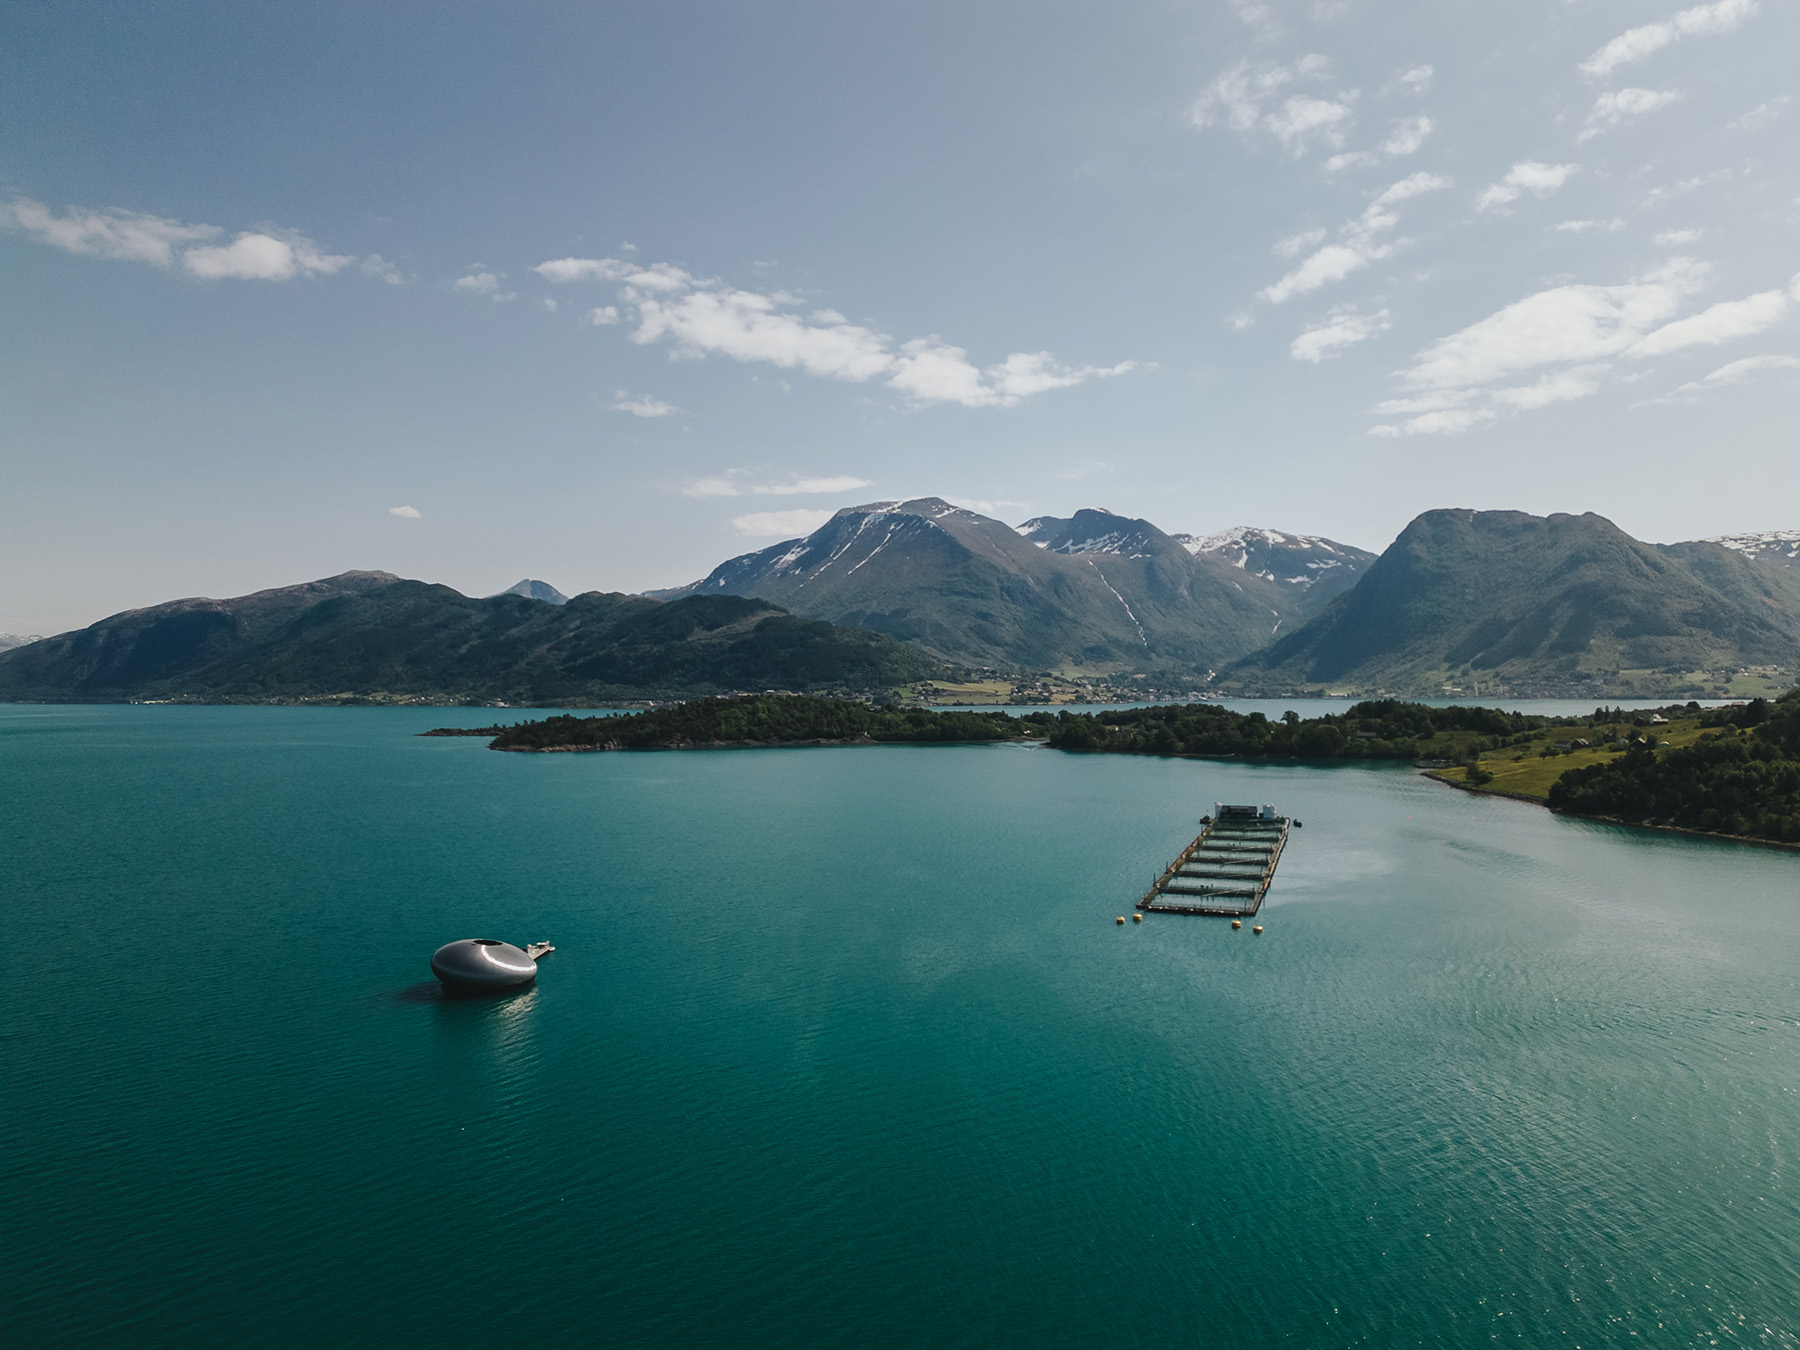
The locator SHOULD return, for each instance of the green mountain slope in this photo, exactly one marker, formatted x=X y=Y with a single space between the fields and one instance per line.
x=370 y=633
x=1504 y=600
x=1096 y=592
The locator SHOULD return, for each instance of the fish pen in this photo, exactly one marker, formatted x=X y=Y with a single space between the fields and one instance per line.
x=1227 y=870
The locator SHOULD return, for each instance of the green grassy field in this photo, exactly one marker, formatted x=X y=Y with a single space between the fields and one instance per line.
x=1525 y=771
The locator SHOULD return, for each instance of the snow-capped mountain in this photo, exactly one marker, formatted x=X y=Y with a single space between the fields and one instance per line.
x=1095 y=531
x=1305 y=562
x=1094 y=592
x=1781 y=547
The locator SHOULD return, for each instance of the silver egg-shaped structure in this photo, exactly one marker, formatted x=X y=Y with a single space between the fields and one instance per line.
x=482 y=963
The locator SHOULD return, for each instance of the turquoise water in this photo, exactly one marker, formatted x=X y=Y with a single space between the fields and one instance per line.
x=843 y=1047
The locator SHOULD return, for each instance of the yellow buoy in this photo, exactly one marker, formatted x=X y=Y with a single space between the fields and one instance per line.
x=1137 y=918
x=1237 y=923
x=1120 y=919
x=1257 y=929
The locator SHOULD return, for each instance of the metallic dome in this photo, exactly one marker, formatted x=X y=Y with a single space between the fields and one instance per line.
x=482 y=963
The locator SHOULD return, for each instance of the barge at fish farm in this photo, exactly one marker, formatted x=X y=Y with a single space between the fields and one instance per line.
x=1226 y=871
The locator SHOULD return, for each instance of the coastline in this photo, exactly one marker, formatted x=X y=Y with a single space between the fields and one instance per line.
x=1613 y=820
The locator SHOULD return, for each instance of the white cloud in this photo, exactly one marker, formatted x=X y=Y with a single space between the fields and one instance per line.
x=1526 y=176
x=1416 y=80
x=1614 y=106
x=1332 y=263
x=1258 y=17
x=1761 y=115
x=1561 y=387
x=1360 y=242
x=479 y=281
x=699 y=317
x=710 y=487
x=1352 y=159
x=642 y=406
x=603 y=317
x=1408 y=135
x=377 y=266
x=1723 y=322
x=1461 y=381
x=731 y=484
x=1584 y=226
x=1635 y=44
x=130 y=236
x=1249 y=98
x=1669 y=238
x=779 y=524
x=998 y=508
x=1343 y=328
x=263 y=257
x=583 y=269
x=405 y=512
x=1296 y=244
x=813 y=486
x=1562 y=324
x=1736 y=372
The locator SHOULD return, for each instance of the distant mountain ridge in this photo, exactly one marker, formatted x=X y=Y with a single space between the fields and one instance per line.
x=1305 y=561
x=1502 y=599
x=536 y=590
x=1095 y=592
x=367 y=634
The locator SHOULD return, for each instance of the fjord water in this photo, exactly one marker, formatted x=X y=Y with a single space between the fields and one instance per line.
x=843 y=1047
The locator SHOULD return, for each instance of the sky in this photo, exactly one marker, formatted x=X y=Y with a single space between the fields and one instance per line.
x=604 y=294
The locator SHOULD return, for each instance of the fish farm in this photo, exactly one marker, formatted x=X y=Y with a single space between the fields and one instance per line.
x=1227 y=870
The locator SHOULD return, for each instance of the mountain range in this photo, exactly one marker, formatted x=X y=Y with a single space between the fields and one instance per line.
x=1094 y=593
x=887 y=593
x=365 y=634
x=1508 y=600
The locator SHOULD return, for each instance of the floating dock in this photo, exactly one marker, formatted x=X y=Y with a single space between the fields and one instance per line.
x=1227 y=870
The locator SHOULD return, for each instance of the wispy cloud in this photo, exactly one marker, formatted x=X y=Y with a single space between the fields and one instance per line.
x=1527 y=176
x=1587 y=226
x=377 y=266
x=1676 y=238
x=1408 y=135
x=734 y=483
x=699 y=316
x=710 y=487
x=1736 y=372
x=1615 y=106
x=1635 y=44
x=1414 y=80
x=813 y=486
x=479 y=281
x=263 y=257
x=405 y=512
x=1344 y=327
x=133 y=236
x=128 y=236
x=642 y=405
x=1251 y=98
x=1762 y=114
x=1463 y=380
x=779 y=524
x=1360 y=242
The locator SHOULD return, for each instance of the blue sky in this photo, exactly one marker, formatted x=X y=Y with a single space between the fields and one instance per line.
x=604 y=294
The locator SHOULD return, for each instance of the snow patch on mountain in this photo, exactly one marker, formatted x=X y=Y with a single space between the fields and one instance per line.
x=1763 y=545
